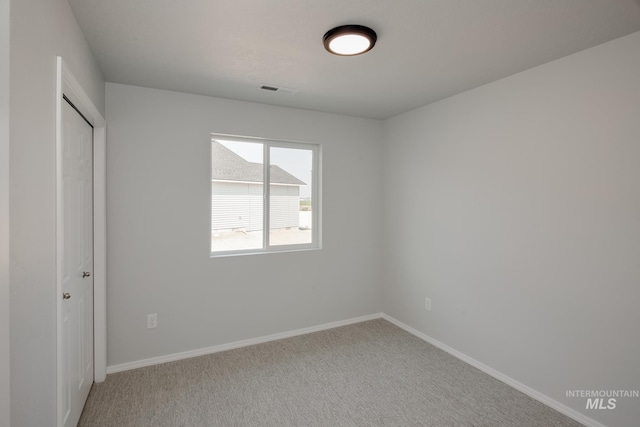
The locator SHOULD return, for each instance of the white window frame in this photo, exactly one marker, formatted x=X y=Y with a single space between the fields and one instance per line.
x=316 y=191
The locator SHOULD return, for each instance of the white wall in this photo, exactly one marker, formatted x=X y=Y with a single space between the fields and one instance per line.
x=4 y=214
x=516 y=208
x=40 y=30
x=158 y=220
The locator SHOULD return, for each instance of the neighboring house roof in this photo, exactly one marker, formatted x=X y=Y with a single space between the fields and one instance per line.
x=228 y=166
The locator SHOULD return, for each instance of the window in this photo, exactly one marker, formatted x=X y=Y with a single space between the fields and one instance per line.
x=264 y=195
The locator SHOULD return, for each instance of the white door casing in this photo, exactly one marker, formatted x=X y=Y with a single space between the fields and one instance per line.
x=77 y=264
x=69 y=87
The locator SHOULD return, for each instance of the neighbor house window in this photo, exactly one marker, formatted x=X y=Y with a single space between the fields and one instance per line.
x=264 y=195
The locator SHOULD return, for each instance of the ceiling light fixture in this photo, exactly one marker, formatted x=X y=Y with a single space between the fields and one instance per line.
x=349 y=40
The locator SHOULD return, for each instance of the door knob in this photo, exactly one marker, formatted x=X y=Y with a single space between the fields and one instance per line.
x=66 y=295
x=85 y=274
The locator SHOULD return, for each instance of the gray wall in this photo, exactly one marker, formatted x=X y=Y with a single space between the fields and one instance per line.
x=159 y=213
x=516 y=208
x=40 y=30
x=4 y=213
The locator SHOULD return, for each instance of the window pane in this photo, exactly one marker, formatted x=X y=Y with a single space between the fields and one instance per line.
x=236 y=195
x=290 y=204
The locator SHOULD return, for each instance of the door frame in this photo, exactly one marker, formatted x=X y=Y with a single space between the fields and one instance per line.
x=69 y=86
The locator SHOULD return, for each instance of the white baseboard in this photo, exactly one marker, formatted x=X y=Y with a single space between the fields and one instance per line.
x=571 y=413
x=237 y=344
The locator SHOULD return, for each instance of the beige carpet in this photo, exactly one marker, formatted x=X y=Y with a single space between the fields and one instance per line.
x=367 y=374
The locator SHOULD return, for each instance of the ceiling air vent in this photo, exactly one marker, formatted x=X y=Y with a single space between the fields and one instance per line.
x=283 y=90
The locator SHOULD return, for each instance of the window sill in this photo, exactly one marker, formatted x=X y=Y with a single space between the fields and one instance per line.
x=288 y=249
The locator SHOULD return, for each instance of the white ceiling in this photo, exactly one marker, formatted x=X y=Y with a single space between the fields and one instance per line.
x=427 y=49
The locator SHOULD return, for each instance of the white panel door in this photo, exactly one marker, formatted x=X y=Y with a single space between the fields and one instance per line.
x=77 y=263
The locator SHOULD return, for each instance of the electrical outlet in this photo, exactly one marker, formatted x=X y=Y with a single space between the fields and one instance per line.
x=152 y=321
x=427 y=304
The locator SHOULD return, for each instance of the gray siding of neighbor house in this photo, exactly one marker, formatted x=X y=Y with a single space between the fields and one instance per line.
x=284 y=211
x=236 y=205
